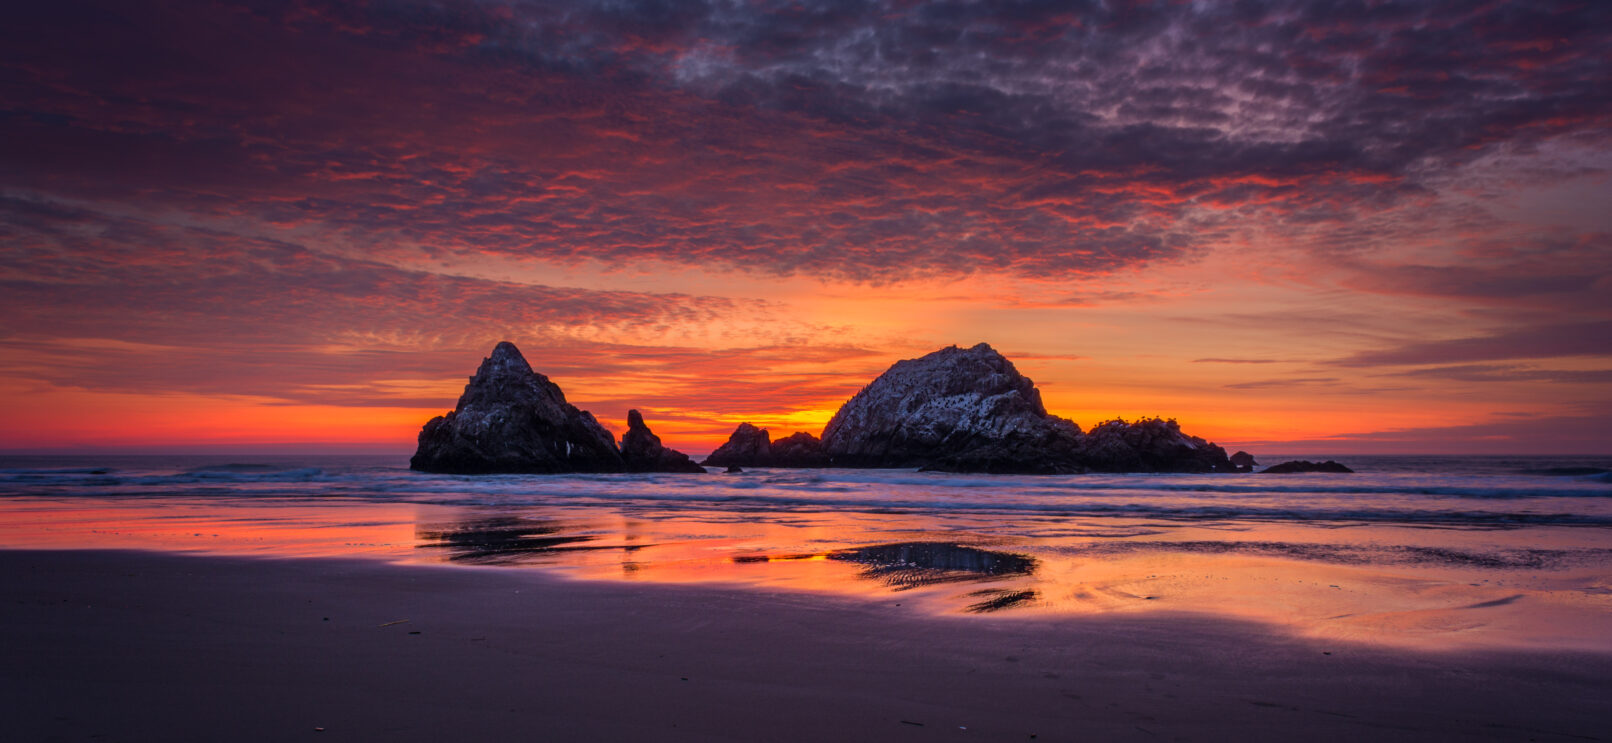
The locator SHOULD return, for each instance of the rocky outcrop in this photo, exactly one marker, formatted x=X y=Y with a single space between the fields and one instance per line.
x=1149 y=445
x=1243 y=461
x=1305 y=465
x=970 y=410
x=955 y=409
x=641 y=450
x=512 y=419
x=798 y=449
x=750 y=446
x=747 y=446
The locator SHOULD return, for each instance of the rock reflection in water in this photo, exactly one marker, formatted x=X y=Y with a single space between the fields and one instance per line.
x=907 y=565
x=999 y=599
x=501 y=539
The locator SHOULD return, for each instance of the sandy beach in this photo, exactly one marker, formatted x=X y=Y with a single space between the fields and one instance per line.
x=130 y=645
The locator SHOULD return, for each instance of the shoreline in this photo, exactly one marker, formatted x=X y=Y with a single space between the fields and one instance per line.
x=134 y=645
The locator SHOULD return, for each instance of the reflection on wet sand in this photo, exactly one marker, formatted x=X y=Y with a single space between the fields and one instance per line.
x=1357 y=554
x=997 y=599
x=907 y=565
x=1414 y=586
x=502 y=540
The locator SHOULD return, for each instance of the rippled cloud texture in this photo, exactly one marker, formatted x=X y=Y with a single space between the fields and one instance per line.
x=726 y=211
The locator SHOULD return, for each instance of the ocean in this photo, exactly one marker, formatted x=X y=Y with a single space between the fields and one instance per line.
x=1425 y=550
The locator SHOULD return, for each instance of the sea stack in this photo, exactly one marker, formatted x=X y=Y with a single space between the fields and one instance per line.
x=641 y=450
x=1149 y=445
x=962 y=410
x=511 y=419
x=970 y=410
x=749 y=446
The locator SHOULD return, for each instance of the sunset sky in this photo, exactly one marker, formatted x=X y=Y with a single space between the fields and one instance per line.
x=1323 y=227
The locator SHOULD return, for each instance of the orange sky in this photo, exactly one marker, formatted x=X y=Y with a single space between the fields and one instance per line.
x=1289 y=227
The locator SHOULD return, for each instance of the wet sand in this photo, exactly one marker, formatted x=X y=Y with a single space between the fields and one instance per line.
x=122 y=645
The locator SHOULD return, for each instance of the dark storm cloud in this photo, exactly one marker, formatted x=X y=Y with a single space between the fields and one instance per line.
x=870 y=141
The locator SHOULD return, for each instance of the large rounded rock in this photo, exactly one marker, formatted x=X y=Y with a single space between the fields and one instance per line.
x=955 y=409
x=512 y=419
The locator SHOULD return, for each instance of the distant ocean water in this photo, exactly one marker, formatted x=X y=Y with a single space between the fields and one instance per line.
x=1454 y=491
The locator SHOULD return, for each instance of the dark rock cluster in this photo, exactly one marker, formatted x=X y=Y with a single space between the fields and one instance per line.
x=750 y=446
x=1149 y=445
x=970 y=410
x=955 y=410
x=511 y=419
x=1305 y=465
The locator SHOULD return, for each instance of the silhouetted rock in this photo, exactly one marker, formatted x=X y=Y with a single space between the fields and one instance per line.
x=961 y=410
x=512 y=419
x=799 y=449
x=748 y=446
x=1150 y=445
x=1304 y=465
x=913 y=564
x=969 y=410
x=751 y=447
x=1244 y=461
x=734 y=469
x=641 y=450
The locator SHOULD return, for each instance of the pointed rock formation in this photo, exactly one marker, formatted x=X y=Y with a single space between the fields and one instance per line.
x=512 y=419
x=964 y=410
x=641 y=450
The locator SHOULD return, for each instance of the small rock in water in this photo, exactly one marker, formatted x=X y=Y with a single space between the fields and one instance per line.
x=1304 y=465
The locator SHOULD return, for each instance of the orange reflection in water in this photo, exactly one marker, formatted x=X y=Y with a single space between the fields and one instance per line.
x=1390 y=585
x=278 y=530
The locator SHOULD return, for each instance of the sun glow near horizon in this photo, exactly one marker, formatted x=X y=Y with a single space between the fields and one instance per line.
x=1381 y=232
